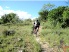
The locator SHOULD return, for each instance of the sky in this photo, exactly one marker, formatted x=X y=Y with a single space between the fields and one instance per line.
x=28 y=8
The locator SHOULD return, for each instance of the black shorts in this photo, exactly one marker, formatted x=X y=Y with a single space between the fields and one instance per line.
x=36 y=27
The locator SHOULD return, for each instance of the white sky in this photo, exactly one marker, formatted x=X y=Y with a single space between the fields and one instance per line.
x=21 y=14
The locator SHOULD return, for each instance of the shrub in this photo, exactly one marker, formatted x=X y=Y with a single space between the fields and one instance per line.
x=8 y=32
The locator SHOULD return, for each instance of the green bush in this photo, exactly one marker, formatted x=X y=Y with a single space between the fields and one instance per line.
x=8 y=32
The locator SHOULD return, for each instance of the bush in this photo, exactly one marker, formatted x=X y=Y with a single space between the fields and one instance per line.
x=8 y=32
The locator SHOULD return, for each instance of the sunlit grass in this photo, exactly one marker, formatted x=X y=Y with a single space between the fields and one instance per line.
x=53 y=36
x=22 y=39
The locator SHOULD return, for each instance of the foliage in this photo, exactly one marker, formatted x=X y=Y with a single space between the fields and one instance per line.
x=22 y=40
x=67 y=2
x=43 y=15
x=54 y=35
x=27 y=22
x=57 y=17
x=8 y=32
x=44 y=11
x=65 y=15
x=10 y=18
x=48 y=7
x=1 y=21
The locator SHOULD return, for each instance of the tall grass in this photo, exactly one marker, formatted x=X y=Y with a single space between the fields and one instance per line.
x=54 y=35
x=21 y=40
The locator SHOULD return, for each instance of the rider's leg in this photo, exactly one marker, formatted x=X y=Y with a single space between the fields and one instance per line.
x=35 y=29
x=38 y=28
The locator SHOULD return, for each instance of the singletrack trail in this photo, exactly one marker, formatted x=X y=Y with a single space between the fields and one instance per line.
x=44 y=45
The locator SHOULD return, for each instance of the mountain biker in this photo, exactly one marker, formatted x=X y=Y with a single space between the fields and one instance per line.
x=36 y=25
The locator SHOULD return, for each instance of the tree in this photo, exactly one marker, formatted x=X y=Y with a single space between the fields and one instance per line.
x=1 y=21
x=55 y=15
x=66 y=18
x=27 y=21
x=44 y=11
x=43 y=15
x=65 y=15
x=47 y=7
x=10 y=18
x=67 y=2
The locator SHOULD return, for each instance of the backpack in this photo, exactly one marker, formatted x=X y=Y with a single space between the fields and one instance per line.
x=38 y=23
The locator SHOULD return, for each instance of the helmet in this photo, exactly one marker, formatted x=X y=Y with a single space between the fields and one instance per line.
x=36 y=20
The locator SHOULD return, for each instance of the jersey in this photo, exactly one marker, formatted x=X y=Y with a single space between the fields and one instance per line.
x=36 y=23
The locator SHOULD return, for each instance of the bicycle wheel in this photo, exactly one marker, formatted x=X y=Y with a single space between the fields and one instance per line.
x=36 y=32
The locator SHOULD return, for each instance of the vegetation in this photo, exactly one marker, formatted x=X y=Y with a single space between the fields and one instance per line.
x=55 y=26
x=57 y=16
x=15 y=34
x=10 y=18
x=21 y=40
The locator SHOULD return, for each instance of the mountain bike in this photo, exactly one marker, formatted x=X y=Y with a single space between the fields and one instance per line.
x=35 y=31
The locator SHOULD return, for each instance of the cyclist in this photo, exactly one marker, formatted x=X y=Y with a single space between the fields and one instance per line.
x=36 y=26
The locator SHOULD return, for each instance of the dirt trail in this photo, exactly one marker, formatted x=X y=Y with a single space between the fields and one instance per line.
x=44 y=45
